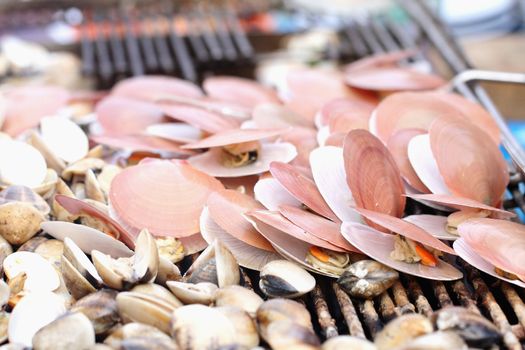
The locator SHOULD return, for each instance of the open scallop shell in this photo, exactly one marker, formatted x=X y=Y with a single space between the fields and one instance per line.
x=372 y=174
x=398 y=146
x=344 y=107
x=28 y=104
x=406 y=229
x=318 y=226
x=227 y=109
x=424 y=164
x=200 y=118
x=473 y=111
x=328 y=170
x=162 y=196
x=243 y=184
x=304 y=140
x=21 y=164
x=247 y=255
x=210 y=161
x=79 y=207
x=86 y=238
x=477 y=170
x=276 y=220
x=193 y=244
x=433 y=224
x=119 y=115
x=233 y=136
x=245 y=92
x=273 y=115
x=289 y=247
x=176 y=132
x=378 y=246
x=64 y=138
x=392 y=79
x=408 y=110
x=142 y=143
x=335 y=139
x=310 y=89
x=226 y=208
x=500 y=242
x=345 y=123
x=150 y=87
x=460 y=203
x=302 y=188
x=390 y=59
x=470 y=256
x=272 y=194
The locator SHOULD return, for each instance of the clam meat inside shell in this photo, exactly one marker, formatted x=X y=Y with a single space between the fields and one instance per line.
x=240 y=154
x=367 y=279
x=327 y=260
x=412 y=252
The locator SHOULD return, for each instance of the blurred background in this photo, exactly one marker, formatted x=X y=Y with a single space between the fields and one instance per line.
x=93 y=44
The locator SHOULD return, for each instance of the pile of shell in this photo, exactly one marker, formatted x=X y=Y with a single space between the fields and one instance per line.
x=95 y=225
x=56 y=297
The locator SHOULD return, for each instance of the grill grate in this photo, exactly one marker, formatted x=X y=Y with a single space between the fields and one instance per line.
x=122 y=42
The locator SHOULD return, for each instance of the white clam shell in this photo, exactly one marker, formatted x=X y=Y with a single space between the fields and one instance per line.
x=87 y=238
x=64 y=138
x=31 y=313
x=21 y=164
x=41 y=275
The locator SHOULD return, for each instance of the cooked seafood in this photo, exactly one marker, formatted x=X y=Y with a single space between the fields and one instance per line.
x=372 y=175
x=191 y=332
x=24 y=194
x=275 y=310
x=284 y=279
x=240 y=152
x=216 y=265
x=479 y=235
x=380 y=245
x=456 y=218
x=326 y=260
x=475 y=330
x=240 y=297
x=402 y=330
x=31 y=313
x=100 y=308
x=367 y=279
x=70 y=331
x=137 y=335
x=19 y=222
